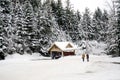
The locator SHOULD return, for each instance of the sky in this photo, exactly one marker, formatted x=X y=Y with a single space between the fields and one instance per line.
x=91 y=4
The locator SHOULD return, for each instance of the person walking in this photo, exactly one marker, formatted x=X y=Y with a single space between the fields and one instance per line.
x=87 y=57
x=83 y=57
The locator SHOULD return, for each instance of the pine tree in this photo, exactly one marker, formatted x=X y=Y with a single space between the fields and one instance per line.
x=28 y=30
x=105 y=23
x=46 y=25
x=5 y=17
x=77 y=25
x=59 y=12
x=75 y=20
x=68 y=16
x=69 y=21
x=2 y=45
x=113 y=31
x=86 y=25
x=36 y=42
x=118 y=29
x=18 y=29
x=97 y=24
x=13 y=26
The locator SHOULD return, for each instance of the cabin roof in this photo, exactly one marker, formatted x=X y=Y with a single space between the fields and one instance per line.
x=63 y=45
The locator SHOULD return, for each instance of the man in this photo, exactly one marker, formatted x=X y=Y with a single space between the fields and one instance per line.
x=87 y=57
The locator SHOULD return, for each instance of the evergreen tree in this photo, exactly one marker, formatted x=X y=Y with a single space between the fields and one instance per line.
x=5 y=20
x=77 y=26
x=13 y=25
x=113 y=31
x=28 y=30
x=69 y=21
x=46 y=26
x=59 y=12
x=18 y=29
x=97 y=24
x=105 y=24
x=75 y=20
x=87 y=32
x=34 y=3
x=38 y=38
x=68 y=17
x=118 y=28
x=2 y=44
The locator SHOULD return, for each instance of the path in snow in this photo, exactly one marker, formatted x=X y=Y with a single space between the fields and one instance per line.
x=67 y=68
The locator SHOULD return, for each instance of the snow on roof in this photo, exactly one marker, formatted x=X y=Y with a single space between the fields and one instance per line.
x=63 y=45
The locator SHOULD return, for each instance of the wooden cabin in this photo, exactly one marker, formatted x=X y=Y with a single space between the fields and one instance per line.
x=59 y=49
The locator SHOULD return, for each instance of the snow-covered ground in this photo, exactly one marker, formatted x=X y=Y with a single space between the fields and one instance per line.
x=36 y=67
x=66 y=68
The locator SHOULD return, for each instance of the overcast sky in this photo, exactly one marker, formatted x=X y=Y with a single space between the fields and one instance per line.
x=91 y=4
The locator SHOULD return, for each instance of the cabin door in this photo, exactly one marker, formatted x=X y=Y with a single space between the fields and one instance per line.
x=56 y=55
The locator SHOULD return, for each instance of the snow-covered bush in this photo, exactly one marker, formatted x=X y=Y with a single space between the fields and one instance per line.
x=91 y=47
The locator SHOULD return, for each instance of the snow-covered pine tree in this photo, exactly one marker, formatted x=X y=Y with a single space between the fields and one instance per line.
x=5 y=17
x=34 y=3
x=113 y=30
x=105 y=23
x=45 y=25
x=69 y=21
x=18 y=23
x=2 y=45
x=59 y=14
x=74 y=33
x=13 y=25
x=77 y=26
x=28 y=30
x=87 y=31
x=57 y=8
x=36 y=43
x=97 y=23
x=118 y=27
x=80 y=29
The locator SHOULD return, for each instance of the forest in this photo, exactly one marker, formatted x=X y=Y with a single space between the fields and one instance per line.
x=29 y=26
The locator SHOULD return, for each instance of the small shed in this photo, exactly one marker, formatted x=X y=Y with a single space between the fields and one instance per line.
x=59 y=49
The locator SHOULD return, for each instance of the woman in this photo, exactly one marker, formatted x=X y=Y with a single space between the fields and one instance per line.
x=83 y=57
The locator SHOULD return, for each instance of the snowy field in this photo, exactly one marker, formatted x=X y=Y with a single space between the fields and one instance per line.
x=66 y=68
